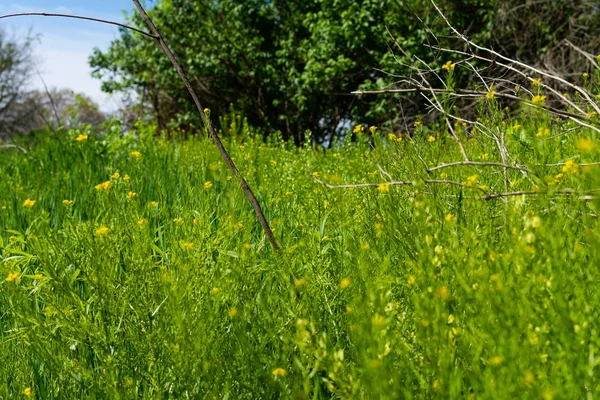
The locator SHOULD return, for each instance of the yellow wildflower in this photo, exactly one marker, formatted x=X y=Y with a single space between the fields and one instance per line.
x=418 y=123
x=364 y=246
x=570 y=166
x=28 y=391
x=449 y=218
x=495 y=360
x=516 y=127
x=411 y=280
x=539 y=100
x=490 y=95
x=187 y=245
x=207 y=111
x=345 y=283
x=136 y=154
x=29 y=203
x=528 y=378
x=585 y=75
x=373 y=129
x=126 y=177
x=178 y=220
x=153 y=204
x=485 y=156
x=542 y=132
x=315 y=174
x=207 y=185
x=13 y=277
x=233 y=312
x=247 y=246
x=239 y=225
x=431 y=139
x=81 y=138
x=279 y=372
x=444 y=292
x=142 y=221
x=68 y=203
x=448 y=66
x=131 y=195
x=536 y=82
x=104 y=186
x=358 y=129
x=116 y=175
x=384 y=187
x=299 y=282
x=586 y=146
x=215 y=290
x=102 y=231
x=471 y=180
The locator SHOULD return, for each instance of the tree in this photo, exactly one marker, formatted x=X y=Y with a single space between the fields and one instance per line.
x=16 y=68
x=287 y=66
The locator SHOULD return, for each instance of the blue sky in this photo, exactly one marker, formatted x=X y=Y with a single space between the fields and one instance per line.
x=65 y=44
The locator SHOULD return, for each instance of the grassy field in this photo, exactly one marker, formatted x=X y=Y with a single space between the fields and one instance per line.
x=134 y=267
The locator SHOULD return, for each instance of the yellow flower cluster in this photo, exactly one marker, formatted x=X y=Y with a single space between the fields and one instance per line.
x=13 y=277
x=279 y=372
x=539 y=100
x=67 y=203
x=137 y=155
x=448 y=66
x=490 y=95
x=104 y=186
x=345 y=283
x=395 y=138
x=81 y=138
x=384 y=187
x=358 y=129
x=102 y=231
x=207 y=185
x=570 y=166
x=131 y=195
x=29 y=203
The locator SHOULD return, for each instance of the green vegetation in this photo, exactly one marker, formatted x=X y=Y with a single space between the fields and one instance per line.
x=133 y=267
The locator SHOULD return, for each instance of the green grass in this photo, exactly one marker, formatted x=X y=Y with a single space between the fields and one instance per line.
x=424 y=291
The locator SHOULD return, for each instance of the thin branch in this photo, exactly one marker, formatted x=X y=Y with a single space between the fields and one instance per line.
x=249 y=193
x=13 y=146
x=44 y=14
x=479 y=164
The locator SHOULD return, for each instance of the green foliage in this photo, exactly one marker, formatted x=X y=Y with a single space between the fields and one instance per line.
x=133 y=267
x=286 y=65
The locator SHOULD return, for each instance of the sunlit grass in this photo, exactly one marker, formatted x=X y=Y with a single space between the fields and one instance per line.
x=134 y=267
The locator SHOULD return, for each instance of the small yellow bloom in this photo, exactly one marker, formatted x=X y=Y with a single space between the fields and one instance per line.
x=247 y=246
x=68 y=203
x=104 y=186
x=542 y=132
x=431 y=139
x=364 y=246
x=536 y=82
x=586 y=146
x=411 y=280
x=345 y=283
x=495 y=360
x=102 y=231
x=528 y=378
x=279 y=372
x=490 y=95
x=315 y=174
x=384 y=187
x=153 y=204
x=418 y=123
x=516 y=127
x=471 y=180
x=207 y=111
x=28 y=391
x=13 y=277
x=215 y=290
x=142 y=221
x=449 y=218
x=116 y=175
x=131 y=195
x=448 y=66
x=570 y=166
x=207 y=185
x=233 y=312
x=187 y=245
x=136 y=154
x=126 y=177
x=81 y=138
x=485 y=156
x=358 y=129
x=444 y=292
x=178 y=220
x=586 y=75
x=29 y=203
x=373 y=129
x=539 y=100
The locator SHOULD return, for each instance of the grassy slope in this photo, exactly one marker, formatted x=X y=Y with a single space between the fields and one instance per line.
x=423 y=292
